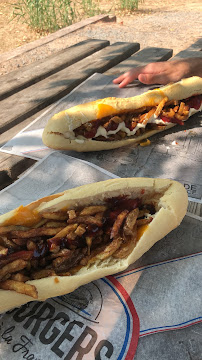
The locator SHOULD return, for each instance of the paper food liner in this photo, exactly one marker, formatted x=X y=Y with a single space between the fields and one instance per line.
x=103 y=319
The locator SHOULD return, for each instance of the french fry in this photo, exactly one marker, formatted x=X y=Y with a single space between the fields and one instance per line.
x=180 y=117
x=23 y=255
x=6 y=229
x=130 y=222
x=8 y=243
x=59 y=215
x=170 y=114
x=19 y=277
x=40 y=223
x=63 y=232
x=71 y=237
x=181 y=108
x=19 y=287
x=55 y=224
x=160 y=106
x=99 y=216
x=92 y=210
x=90 y=259
x=3 y=250
x=35 y=232
x=14 y=266
x=126 y=248
x=6 y=277
x=71 y=214
x=19 y=242
x=67 y=273
x=172 y=102
x=110 y=249
x=117 y=224
x=31 y=245
x=81 y=229
x=146 y=221
x=89 y=240
x=43 y=274
x=89 y=220
x=145 y=117
x=176 y=108
x=63 y=252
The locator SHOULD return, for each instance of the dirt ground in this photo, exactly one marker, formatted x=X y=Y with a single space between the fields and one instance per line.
x=167 y=23
x=14 y=33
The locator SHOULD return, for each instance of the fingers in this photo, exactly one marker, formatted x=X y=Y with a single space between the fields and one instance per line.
x=122 y=80
x=145 y=78
x=128 y=77
x=153 y=73
x=148 y=79
x=119 y=79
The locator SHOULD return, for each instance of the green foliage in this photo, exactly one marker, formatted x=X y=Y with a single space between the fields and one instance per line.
x=91 y=7
x=51 y=15
x=129 y=5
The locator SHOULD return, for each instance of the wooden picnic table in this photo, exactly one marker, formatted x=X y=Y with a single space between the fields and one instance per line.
x=25 y=93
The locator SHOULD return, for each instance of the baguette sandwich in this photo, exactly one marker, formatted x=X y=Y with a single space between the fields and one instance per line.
x=58 y=243
x=114 y=122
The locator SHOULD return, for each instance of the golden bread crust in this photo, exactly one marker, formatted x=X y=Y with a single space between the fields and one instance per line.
x=70 y=119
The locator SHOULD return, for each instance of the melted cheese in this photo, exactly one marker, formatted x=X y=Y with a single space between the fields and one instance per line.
x=141 y=230
x=23 y=216
x=104 y=110
x=146 y=142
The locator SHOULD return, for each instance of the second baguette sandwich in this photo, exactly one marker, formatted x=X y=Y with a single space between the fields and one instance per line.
x=114 y=122
x=58 y=243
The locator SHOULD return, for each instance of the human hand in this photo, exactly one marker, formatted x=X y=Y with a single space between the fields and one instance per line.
x=162 y=72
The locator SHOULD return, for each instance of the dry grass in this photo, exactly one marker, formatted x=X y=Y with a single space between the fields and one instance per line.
x=14 y=33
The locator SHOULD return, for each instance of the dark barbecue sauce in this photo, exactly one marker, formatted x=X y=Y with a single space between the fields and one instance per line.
x=112 y=126
x=194 y=101
x=62 y=242
x=41 y=250
x=132 y=119
x=172 y=120
x=115 y=206
x=89 y=134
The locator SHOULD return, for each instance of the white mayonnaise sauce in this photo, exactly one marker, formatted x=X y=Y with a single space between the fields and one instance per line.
x=101 y=131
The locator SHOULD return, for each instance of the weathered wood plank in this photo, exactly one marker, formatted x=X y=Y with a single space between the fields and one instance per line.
x=28 y=75
x=54 y=36
x=9 y=134
x=11 y=166
x=142 y=57
x=5 y=180
x=25 y=103
x=197 y=46
x=187 y=54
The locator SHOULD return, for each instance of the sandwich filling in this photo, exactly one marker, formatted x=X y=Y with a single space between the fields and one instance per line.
x=62 y=242
x=137 y=122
